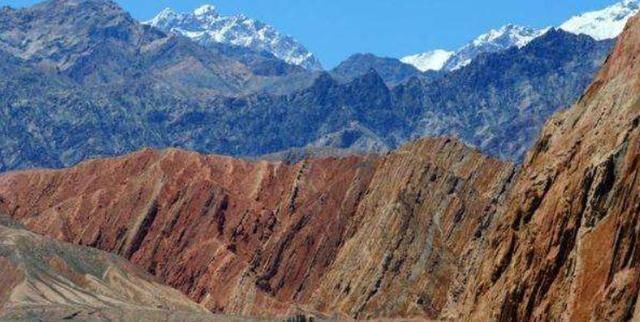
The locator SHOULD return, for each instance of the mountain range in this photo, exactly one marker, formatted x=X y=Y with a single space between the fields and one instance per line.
x=114 y=85
x=601 y=24
x=434 y=230
x=445 y=227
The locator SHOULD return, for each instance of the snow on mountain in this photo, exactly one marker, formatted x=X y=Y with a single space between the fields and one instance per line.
x=432 y=60
x=205 y=25
x=603 y=24
x=493 y=41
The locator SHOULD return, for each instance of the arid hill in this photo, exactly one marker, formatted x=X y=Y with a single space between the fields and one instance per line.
x=359 y=236
x=43 y=279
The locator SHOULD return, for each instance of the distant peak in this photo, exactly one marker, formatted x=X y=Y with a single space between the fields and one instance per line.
x=206 y=10
x=603 y=24
x=165 y=15
x=520 y=34
x=432 y=60
x=206 y=26
x=166 y=11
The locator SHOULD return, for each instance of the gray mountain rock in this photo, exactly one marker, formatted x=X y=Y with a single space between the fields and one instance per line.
x=115 y=86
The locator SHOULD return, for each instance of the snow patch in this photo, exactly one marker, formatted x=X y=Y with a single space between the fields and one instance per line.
x=432 y=60
x=603 y=24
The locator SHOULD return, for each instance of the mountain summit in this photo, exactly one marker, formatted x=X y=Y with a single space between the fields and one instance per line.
x=493 y=41
x=206 y=26
x=431 y=60
x=602 y=24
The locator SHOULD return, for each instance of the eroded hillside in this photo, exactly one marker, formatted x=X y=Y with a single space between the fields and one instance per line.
x=566 y=247
x=351 y=236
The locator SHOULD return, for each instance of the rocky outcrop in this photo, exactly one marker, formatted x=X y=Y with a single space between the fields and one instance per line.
x=422 y=222
x=43 y=279
x=350 y=236
x=566 y=248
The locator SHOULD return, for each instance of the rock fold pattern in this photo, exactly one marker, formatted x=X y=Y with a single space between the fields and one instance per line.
x=350 y=236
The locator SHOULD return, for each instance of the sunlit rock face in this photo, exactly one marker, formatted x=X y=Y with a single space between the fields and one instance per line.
x=350 y=236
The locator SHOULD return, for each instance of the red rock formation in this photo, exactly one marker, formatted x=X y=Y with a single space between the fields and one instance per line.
x=350 y=236
x=567 y=247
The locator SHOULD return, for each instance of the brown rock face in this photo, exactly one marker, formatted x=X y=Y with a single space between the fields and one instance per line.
x=360 y=236
x=567 y=247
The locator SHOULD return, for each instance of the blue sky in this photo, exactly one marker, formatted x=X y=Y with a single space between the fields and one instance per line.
x=335 y=29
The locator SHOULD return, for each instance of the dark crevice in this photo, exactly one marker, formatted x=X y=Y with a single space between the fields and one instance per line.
x=141 y=233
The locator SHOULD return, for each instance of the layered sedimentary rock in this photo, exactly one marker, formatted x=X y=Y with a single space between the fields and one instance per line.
x=43 y=279
x=566 y=248
x=357 y=236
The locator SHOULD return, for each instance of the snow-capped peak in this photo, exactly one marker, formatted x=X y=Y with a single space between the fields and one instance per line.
x=206 y=10
x=431 y=60
x=494 y=41
x=166 y=14
x=206 y=26
x=603 y=24
x=509 y=36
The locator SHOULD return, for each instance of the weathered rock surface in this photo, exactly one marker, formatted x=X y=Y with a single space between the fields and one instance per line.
x=357 y=236
x=566 y=248
x=43 y=279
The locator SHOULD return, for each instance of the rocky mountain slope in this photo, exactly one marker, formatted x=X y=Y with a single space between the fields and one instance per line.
x=113 y=86
x=99 y=46
x=96 y=44
x=333 y=236
x=51 y=280
x=500 y=101
x=207 y=27
x=62 y=105
x=566 y=247
x=392 y=71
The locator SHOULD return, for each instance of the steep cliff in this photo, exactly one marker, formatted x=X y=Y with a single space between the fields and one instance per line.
x=351 y=236
x=566 y=248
